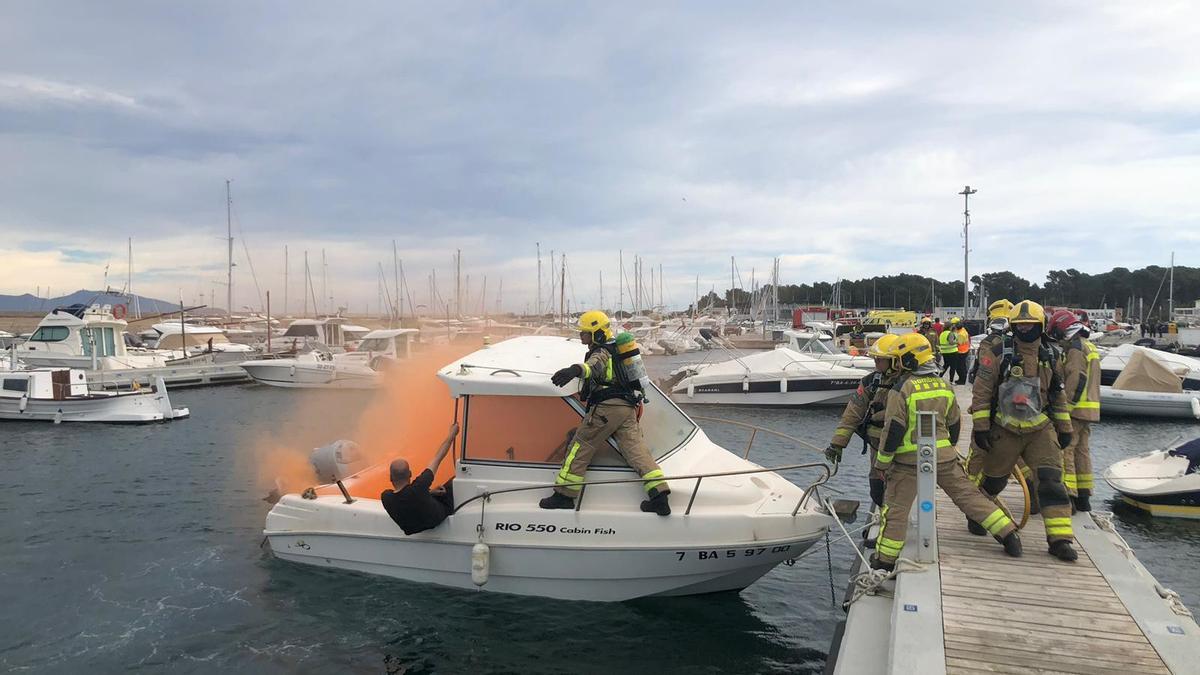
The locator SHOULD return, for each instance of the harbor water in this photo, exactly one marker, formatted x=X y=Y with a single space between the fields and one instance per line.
x=139 y=548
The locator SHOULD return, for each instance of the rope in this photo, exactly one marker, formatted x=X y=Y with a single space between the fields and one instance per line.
x=869 y=581
x=1104 y=519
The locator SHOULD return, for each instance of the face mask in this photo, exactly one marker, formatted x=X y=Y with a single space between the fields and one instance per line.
x=1031 y=335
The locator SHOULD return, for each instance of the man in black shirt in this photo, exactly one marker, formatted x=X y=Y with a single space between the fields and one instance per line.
x=413 y=506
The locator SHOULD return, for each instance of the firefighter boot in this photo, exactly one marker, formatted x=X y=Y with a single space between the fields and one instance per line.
x=1011 y=543
x=1083 y=502
x=877 y=564
x=975 y=528
x=1062 y=550
x=557 y=501
x=657 y=504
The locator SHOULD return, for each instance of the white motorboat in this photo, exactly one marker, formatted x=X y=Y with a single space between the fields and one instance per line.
x=62 y=395
x=728 y=528
x=821 y=346
x=319 y=368
x=779 y=377
x=87 y=337
x=1117 y=358
x=197 y=339
x=1162 y=483
x=303 y=334
x=1149 y=386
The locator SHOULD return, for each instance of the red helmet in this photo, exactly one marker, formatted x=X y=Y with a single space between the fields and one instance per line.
x=1060 y=323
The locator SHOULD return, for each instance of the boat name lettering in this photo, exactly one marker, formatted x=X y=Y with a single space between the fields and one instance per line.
x=731 y=552
x=549 y=529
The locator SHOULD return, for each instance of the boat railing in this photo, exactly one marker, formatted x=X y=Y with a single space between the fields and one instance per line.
x=825 y=474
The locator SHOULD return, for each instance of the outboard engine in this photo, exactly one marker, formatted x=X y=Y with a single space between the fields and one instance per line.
x=336 y=461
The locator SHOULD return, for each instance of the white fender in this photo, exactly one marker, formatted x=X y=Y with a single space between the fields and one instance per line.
x=292 y=370
x=480 y=562
x=783 y=385
x=1196 y=407
x=691 y=389
x=23 y=402
x=746 y=385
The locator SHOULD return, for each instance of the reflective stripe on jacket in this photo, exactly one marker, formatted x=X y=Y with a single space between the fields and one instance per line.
x=915 y=394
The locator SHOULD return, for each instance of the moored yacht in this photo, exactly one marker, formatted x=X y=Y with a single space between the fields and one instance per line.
x=778 y=377
x=821 y=346
x=733 y=520
x=62 y=395
x=320 y=368
x=87 y=337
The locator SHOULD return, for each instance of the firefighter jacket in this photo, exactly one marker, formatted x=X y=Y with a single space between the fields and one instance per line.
x=912 y=393
x=1081 y=378
x=864 y=412
x=600 y=381
x=1003 y=369
x=947 y=342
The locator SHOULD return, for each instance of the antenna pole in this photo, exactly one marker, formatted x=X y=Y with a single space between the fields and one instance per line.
x=229 y=266
x=966 y=193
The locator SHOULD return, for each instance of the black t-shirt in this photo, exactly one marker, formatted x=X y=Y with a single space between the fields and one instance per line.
x=413 y=508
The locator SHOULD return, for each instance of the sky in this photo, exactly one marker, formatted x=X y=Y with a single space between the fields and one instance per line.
x=834 y=136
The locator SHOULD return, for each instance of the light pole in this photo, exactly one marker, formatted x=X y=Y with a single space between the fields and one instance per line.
x=966 y=193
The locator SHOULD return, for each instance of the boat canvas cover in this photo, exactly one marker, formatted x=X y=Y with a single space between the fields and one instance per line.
x=1146 y=373
x=1189 y=451
x=775 y=364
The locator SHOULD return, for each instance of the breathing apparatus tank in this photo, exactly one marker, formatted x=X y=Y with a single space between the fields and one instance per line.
x=629 y=355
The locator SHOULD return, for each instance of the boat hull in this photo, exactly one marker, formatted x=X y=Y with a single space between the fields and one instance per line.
x=1150 y=404
x=282 y=373
x=1157 y=483
x=126 y=408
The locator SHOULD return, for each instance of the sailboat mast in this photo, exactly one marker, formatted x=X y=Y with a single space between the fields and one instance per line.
x=1171 y=292
x=538 y=308
x=229 y=265
x=397 y=311
x=285 y=284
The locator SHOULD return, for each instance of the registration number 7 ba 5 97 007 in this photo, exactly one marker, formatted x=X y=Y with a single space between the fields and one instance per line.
x=732 y=552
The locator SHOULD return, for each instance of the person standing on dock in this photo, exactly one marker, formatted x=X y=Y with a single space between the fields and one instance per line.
x=919 y=388
x=947 y=343
x=1081 y=375
x=926 y=329
x=863 y=414
x=963 y=338
x=1019 y=410
x=611 y=401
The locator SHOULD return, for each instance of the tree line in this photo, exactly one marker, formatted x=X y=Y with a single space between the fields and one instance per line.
x=1145 y=288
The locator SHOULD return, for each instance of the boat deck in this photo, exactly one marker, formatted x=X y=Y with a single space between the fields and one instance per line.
x=979 y=611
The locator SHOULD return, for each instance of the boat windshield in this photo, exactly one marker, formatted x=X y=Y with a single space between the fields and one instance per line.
x=375 y=345
x=537 y=429
x=50 y=334
x=301 y=331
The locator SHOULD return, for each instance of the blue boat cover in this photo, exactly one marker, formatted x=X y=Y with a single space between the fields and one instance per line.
x=1190 y=450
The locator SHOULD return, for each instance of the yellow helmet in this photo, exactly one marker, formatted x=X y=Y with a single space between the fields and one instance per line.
x=955 y=320
x=911 y=350
x=999 y=309
x=595 y=320
x=879 y=350
x=1027 y=311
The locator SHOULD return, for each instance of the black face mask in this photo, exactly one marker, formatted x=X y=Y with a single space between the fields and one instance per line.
x=1032 y=335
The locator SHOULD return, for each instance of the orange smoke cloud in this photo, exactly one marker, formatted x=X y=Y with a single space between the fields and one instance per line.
x=407 y=417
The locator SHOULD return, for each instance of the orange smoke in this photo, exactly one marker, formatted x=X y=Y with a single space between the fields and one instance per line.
x=407 y=417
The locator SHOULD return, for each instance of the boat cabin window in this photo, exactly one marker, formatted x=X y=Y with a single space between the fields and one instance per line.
x=50 y=334
x=104 y=339
x=16 y=385
x=523 y=429
x=301 y=331
x=375 y=345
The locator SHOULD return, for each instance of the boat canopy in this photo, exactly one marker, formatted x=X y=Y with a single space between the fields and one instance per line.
x=1143 y=372
x=1189 y=451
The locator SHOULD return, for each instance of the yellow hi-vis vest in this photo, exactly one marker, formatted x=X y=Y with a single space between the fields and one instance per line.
x=945 y=346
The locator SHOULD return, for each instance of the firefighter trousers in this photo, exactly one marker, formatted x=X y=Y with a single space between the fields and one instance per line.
x=614 y=419
x=901 y=492
x=1077 y=460
x=1042 y=454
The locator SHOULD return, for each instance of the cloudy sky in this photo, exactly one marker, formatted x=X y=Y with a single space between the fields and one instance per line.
x=833 y=135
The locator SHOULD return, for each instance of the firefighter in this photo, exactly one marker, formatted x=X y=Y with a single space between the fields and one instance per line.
x=863 y=414
x=964 y=348
x=919 y=388
x=1081 y=378
x=947 y=344
x=1019 y=411
x=927 y=328
x=611 y=402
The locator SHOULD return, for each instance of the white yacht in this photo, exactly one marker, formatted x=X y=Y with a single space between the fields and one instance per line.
x=62 y=395
x=1161 y=482
x=196 y=339
x=87 y=337
x=320 y=368
x=821 y=346
x=779 y=377
x=733 y=520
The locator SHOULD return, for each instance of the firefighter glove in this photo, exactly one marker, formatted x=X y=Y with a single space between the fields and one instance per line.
x=1064 y=439
x=981 y=440
x=833 y=453
x=562 y=377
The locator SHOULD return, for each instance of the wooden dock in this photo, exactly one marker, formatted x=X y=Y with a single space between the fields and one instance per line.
x=979 y=611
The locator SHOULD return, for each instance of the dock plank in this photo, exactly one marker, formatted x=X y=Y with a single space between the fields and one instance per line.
x=1034 y=613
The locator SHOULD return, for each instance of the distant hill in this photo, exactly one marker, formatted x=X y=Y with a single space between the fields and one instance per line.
x=32 y=303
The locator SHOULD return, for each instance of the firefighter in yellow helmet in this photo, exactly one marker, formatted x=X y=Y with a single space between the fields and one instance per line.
x=611 y=401
x=863 y=414
x=998 y=313
x=920 y=388
x=1018 y=410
